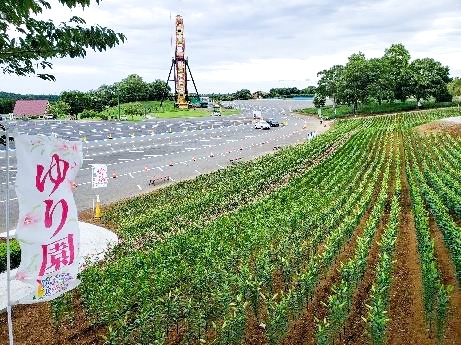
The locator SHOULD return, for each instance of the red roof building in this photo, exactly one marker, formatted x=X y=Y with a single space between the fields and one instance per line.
x=30 y=108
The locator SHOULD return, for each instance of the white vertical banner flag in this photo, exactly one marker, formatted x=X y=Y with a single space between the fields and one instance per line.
x=99 y=175
x=47 y=229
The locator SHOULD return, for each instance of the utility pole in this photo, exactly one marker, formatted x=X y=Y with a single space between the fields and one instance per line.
x=118 y=100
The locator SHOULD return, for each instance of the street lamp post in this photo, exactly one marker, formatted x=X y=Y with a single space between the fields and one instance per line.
x=118 y=100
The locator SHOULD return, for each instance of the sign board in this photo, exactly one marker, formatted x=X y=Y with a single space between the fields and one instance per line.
x=99 y=176
x=47 y=228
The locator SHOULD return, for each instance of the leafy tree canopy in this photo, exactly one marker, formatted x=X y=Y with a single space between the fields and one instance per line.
x=242 y=94
x=391 y=77
x=59 y=109
x=454 y=87
x=28 y=44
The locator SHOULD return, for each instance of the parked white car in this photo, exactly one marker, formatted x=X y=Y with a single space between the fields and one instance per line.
x=262 y=125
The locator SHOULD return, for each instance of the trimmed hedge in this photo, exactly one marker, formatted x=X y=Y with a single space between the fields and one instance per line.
x=15 y=255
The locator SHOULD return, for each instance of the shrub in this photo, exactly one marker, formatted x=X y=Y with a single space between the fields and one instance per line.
x=88 y=114
x=15 y=255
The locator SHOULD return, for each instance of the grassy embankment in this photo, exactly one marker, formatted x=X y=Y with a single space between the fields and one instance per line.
x=342 y=110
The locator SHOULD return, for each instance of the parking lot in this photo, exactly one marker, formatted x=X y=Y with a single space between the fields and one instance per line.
x=178 y=148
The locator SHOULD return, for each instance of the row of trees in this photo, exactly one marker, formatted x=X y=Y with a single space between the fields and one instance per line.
x=131 y=89
x=388 y=78
x=284 y=92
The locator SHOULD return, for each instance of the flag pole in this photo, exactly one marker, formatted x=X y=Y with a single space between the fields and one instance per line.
x=7 y=225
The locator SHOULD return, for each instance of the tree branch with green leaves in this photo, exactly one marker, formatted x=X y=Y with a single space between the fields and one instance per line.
x=28 y=44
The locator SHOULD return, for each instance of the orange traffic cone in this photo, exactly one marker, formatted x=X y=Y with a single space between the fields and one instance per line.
x=114 y=174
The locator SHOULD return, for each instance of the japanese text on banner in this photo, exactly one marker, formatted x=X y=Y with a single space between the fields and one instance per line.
x=47 y=229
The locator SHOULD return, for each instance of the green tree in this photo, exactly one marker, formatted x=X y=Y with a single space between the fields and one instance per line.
x=157 y=90
x=134 y=109
x=454 y=88
x=77 y=100
x=260 y=94
x=107 y=95
x=6 y=105
x=59 y=109
x=28 y=44
x=355 y=80
x=242 y=94
x=133 y=89
x=330 y=82
x=319 y=101
x=429 y=78
x=397 y=62
x=310 y=90
x=381 y=85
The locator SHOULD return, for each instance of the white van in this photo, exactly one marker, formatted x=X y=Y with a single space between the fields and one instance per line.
x=257 y=114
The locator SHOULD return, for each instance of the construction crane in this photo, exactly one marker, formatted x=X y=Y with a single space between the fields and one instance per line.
x=180 y=66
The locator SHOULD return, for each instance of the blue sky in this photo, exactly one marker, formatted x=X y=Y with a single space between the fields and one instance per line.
x=257 y=44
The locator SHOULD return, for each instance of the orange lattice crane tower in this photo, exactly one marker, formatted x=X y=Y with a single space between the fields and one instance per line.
x=180 y=65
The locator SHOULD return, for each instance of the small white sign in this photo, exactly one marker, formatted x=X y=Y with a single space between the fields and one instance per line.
x=99 y=175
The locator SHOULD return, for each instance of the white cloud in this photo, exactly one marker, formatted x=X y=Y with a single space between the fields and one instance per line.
x=254 y=44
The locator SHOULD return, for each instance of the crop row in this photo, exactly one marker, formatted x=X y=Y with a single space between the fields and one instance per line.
x=193 y=275
x=201 y=259
x=378 y=306
x=301 y=292
x=340 y=300
x=211 y=194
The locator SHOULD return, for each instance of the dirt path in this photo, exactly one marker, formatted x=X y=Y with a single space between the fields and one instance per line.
x=302 y=331
x=355 y=331
x=406 y=325
x=354 y=326
x=447 y=269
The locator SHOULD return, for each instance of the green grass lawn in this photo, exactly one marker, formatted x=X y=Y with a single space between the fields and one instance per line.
x=152 y=109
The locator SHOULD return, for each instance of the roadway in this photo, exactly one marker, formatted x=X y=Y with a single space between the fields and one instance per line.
x=178 y=148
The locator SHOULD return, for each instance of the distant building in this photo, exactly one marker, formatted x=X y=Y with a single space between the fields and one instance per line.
x=31 y=108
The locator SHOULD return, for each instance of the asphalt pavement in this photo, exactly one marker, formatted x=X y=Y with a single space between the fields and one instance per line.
x=136 y=153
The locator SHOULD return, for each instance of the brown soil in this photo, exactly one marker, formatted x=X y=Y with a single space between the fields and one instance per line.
x=354 y=331
x=406 y=325
x=302 y=330
x=447 y=269
x=354 y=326
x=255 y=332
x=452 y=128
x=32 y=325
